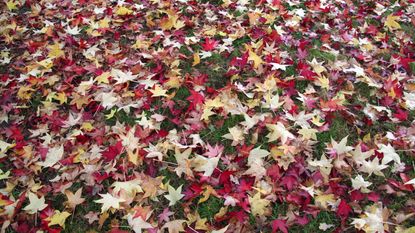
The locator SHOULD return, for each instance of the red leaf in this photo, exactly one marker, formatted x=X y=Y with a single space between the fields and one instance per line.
x=195 y=98
x=279 y=224
x=274 y=172
x=209 y=44
x=343 y=209
x=373 y=197
x=401 y=115
x=112 y=151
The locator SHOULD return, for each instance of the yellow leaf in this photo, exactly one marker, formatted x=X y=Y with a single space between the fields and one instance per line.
x=111 y=114
x=254 y=57
x=206 y=194
x=409 y=230
x=323 y=82
x=11 y=5
x=58 y=218
x=174 y=82
x=87 y=126
x=196 y=59
x=61 y=97
x=171 y=21
x=308 y=133
x=104 y=23
x=158 y=91
x=258 y=205
x=103 y=78
x=201 y=224
x=207 y=112
x=79 y=100
x=25 y=92
x=133 y=156
x=324 y=199
x=122 y=10
x=55 y=51
x=367 y=138
x=391 y=22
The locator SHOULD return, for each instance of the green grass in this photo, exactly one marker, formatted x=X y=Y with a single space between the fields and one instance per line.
x=279 y=209
x=313 y=226
x=338 y=130
x=326 y=56
x=301 y=85
x=209 y=208
x=215 y=135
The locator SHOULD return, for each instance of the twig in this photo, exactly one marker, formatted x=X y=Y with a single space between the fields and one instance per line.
x=171 y=163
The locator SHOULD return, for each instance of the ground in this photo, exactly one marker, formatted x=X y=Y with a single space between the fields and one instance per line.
x=207 y=116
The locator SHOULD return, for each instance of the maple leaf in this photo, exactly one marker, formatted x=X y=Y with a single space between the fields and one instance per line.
x=254 y=57
x=343 y=210
x=206 y=194
x=278 y=131
x=55 y=51
x=122 y=10
x=4 y=146
x=258 y=205
x=389 y=154
x=164 y=216
x=196 y=59
x=279 y=224
x=103 y=78
x=35 y=204
x=308 y=133
x=130 y=187
x=359 y=183
x=277 y=66
x=195 y=98
x=113 y=151
x=183 y=162
x=341 y=147
x=359 y=156
x=272 y=101
x=391 y=22
x=174 y=194
x=206 y=165
x=325 y=165
x=213 y=151
x=174 y=226
x=74 y=199
x=209 y=44
x=235 y=134
x=256 y=163
x=122 y=77
x=256 y=155
x=372 y=220
x=52 y=157
x=359 y=71
x=109 y=201
x=108 y=100
x=72 y=31
x=324 y=200
x=138 y=224
x=11 y=5
x=158 y=91
x=58 y=218
x=373 y=166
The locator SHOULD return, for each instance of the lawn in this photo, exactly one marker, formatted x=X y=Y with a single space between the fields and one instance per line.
x=207 y=116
